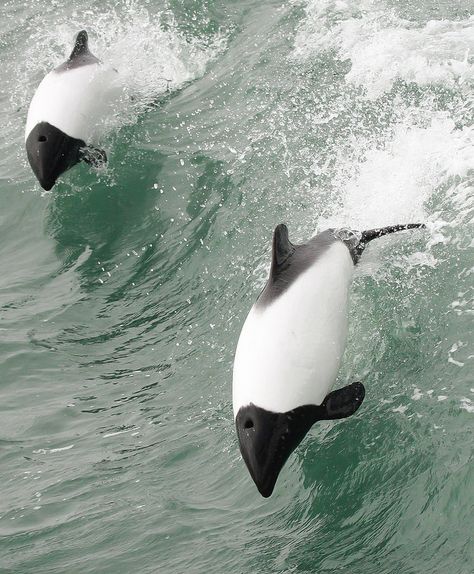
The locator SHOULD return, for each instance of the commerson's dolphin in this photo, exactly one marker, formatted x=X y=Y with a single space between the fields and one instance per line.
x=66 y=114
x=291 y=346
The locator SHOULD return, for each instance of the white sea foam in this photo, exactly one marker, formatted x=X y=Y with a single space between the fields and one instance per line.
x=53 y=450
x=395 y=181
x=383 y=47
x=148 y=50
x=467 y=405
x=400 y=409
x=115 y=433
x=423 y=169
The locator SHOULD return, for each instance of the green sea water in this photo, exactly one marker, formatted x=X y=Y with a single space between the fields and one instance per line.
x=124 y=289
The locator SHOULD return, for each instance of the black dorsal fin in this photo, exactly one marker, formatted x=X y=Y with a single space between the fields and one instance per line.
x=81 y=46
x=282 y=248
x=80 y=55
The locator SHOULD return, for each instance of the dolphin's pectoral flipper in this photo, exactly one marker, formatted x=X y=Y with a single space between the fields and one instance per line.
x=93 y=156
x=343 y=403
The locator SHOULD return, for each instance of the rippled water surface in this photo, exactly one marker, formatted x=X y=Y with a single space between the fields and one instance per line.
x=123 y=290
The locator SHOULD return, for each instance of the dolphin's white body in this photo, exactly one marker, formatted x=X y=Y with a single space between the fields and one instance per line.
x=291 y=347
x=71 y=109
x=77 y=101
x=289 y=351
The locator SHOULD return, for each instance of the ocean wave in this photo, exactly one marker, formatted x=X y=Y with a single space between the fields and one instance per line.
x=384 y=48
x=395 y=181
x=148 y=49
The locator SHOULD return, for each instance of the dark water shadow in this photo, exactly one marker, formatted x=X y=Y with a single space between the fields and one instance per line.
x=96 y=211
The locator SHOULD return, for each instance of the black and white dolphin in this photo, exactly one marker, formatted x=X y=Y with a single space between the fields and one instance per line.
x=66 y=115
x=291 y=346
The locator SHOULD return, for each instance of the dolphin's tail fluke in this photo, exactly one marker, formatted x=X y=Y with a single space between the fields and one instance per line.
x=375 y=233
x=367 y=236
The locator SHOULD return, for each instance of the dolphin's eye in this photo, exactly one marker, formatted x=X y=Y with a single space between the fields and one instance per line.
x=248 y=424
x=42 y=138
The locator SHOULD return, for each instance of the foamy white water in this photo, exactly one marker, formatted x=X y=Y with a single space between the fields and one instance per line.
x=383 y=48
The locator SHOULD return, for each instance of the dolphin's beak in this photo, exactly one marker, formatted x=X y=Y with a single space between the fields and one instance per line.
x=267 y=439
x=51 y=152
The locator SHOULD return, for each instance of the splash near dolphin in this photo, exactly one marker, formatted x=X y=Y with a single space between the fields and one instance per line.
x=291 y=347
x=65 y=117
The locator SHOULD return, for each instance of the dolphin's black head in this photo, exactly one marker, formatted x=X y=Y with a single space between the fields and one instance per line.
x=51 y=152
x=267 y=439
